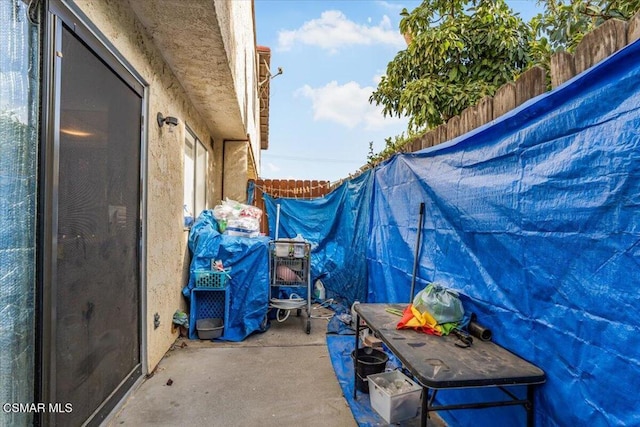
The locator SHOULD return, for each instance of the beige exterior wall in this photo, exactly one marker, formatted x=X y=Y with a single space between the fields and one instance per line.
x=167 y=253
x=239 y=40
x=235 y=170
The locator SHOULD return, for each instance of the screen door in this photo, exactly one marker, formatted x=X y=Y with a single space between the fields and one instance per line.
x=95 y=283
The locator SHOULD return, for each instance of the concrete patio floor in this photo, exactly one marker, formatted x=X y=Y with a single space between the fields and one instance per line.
x=282 y=377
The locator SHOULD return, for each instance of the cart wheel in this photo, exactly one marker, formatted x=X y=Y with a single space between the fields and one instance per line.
x=308 y=327
x=298 y=311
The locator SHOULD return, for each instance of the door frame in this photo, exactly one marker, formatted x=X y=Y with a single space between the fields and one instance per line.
x=57 y=13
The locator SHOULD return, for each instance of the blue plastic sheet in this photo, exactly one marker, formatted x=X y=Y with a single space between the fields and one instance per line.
x=535 y=219
x=340 y=348
x=336 y=226
x=249 y=283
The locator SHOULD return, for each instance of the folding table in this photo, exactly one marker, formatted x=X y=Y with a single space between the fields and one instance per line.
x=438 y=364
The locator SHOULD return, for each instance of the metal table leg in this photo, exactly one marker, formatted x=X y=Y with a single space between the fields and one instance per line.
x=424 y=417
x=529 y=407
x=355 y=357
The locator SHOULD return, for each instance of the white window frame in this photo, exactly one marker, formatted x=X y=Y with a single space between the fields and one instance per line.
x=196 y=161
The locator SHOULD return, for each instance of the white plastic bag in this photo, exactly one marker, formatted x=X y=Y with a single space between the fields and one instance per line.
x=238 y=217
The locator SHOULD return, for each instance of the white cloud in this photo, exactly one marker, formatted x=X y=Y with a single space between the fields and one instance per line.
x=272 y=167
x=333 y=30
x=346 y=104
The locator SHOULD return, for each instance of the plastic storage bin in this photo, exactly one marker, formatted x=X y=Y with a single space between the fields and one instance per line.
x=283 y=250
x=393 y=404
x=207 y=304
x=208 y=279
x=210 y=328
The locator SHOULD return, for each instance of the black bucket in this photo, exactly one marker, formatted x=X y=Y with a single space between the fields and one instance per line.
x=370 y=361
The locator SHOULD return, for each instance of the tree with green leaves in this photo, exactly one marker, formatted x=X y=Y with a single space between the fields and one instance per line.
x=458 y=52
x=563 y=24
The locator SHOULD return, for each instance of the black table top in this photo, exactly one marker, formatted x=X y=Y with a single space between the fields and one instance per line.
x=436 y=362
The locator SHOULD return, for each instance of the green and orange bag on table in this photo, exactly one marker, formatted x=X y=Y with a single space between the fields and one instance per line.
x=435 y=310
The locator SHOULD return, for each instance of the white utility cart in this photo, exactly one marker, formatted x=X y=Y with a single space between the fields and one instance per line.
x=290 y=278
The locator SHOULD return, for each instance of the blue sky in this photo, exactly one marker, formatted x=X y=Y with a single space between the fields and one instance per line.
x=332 y=54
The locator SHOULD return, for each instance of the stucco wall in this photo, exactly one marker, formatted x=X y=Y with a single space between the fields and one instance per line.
x=235 y=176
x=167 y=253
x=239 y=40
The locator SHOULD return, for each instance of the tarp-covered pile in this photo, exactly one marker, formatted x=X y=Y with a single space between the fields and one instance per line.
x=247 y=259
x=534 y=219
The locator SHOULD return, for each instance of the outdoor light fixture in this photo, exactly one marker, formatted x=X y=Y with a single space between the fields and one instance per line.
x=170 y=121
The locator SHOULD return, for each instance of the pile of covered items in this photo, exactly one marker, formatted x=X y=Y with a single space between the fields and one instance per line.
x=237 y=219
x=220 y=234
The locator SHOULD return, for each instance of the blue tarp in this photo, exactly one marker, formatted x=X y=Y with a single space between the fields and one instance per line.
x=535 y=219
x=336 y=226
x=249 y=283
x=340 y=352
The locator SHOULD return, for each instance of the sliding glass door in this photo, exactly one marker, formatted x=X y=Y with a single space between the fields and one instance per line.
x=93 y=339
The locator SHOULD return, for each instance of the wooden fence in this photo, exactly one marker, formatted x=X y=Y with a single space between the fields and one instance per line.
x=597 y=45
x=296 y=189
